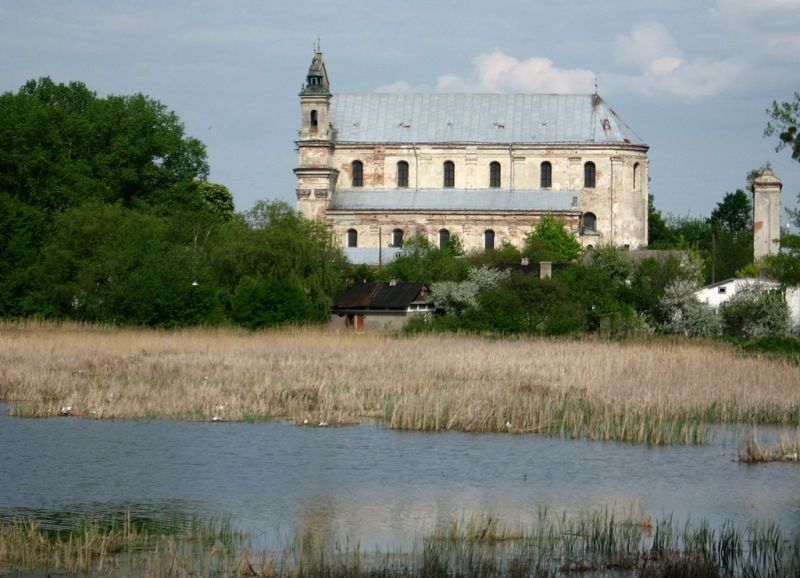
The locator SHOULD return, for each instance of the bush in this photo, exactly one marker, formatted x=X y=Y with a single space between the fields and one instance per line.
x=756 y=312
x=684 y=314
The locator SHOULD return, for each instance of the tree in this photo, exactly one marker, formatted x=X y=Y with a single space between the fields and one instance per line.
x=550 y=241
x=786 y=119
x=421 y=262
x=215 y=198
x=786 y=116
x=734 y=214
x=61 y=145
x=658 y=232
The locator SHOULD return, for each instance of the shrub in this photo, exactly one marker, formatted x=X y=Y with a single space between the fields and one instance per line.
x=756 y=311
x=684 y=314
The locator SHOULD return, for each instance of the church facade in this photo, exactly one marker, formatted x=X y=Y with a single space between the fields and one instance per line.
x=381 y=168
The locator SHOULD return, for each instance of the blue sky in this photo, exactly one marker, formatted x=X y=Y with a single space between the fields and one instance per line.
x=692 y=77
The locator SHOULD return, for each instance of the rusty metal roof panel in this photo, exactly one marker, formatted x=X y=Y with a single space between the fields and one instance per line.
x=483 y=200
x=478 y=118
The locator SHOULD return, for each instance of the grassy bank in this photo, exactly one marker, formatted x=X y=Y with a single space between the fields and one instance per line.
x=660 y=391
x=555 y=545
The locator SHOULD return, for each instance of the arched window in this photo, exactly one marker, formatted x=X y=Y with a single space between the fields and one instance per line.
x=494 y=175
x=488 y=239
x=397 y=238
x=358 y=174
x=589 y=175
x=314 y=121
x=444 y=238
x=402 y=174
x=589 y=223
x=449 y=175
x=352 y=238
x=635 y=176
x=546 y=175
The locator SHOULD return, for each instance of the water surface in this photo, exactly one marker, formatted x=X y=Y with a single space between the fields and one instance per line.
x=380 y=487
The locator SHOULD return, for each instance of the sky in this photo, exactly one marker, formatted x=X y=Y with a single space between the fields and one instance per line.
x=693 y=78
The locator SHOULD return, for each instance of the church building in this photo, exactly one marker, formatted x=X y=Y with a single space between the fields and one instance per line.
x=381 y=168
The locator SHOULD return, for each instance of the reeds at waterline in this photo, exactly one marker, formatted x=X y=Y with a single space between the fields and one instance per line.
x=94 y=546
x=553 y=545
x=752 y=450
x=658 y=391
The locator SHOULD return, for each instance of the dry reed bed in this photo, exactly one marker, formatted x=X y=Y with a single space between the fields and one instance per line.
x=656 y=392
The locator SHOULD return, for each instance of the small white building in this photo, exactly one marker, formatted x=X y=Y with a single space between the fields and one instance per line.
x=720 y=292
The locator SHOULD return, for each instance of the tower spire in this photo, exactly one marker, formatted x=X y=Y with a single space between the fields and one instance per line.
x=317 y=77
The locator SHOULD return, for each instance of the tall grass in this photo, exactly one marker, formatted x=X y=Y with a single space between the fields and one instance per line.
x=99 y=545
x=599 y=542
x=659 y=391
x=752 y=450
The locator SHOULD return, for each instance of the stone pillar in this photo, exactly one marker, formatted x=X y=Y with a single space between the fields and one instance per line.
x=766 y=214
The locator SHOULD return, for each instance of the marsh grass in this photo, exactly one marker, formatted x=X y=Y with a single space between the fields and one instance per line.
x=658 y=391
x=600 y=542
x=752 y=450
x=97 y=546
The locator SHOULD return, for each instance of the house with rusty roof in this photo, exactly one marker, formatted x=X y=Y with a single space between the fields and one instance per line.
x=380 y=306
x=380 y=168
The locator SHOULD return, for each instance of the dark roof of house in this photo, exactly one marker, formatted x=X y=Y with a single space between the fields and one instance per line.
x=380 y=296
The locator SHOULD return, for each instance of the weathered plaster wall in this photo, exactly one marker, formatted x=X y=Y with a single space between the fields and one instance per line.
x=375 y=229
x=619 y=204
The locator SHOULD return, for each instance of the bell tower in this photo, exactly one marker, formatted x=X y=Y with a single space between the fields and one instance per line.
x=316 y=178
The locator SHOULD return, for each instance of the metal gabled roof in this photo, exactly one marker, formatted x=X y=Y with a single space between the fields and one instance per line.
x=483 y=200
x=379 y=296
x=478 y=118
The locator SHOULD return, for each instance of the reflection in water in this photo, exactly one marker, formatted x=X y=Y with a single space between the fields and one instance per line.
x=379 y=487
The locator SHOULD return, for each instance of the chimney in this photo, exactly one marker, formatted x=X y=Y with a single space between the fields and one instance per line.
x=545 y=270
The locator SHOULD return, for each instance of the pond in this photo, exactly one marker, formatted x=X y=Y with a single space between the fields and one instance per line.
x=380 y=487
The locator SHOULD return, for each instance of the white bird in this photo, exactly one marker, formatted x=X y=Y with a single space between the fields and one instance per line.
x=323 y=424
x=305 y=422
x=216 y=418
x=66 y=409
x=508 y=424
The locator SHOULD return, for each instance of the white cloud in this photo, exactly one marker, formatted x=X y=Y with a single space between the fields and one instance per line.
x=661 y=68
x=499 y=72
x=647 y=42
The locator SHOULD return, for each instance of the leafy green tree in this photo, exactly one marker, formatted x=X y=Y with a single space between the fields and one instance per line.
x=659 y=234
x=215 y=198
x=785 y=120
x=23 y=229
x=263 y=302
x=550 y=241
x=653 y=275
x=505 y=254
x=61 y=145
x=596 y=291
x=421 y=262
x=734 y=214
x=110 y=264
